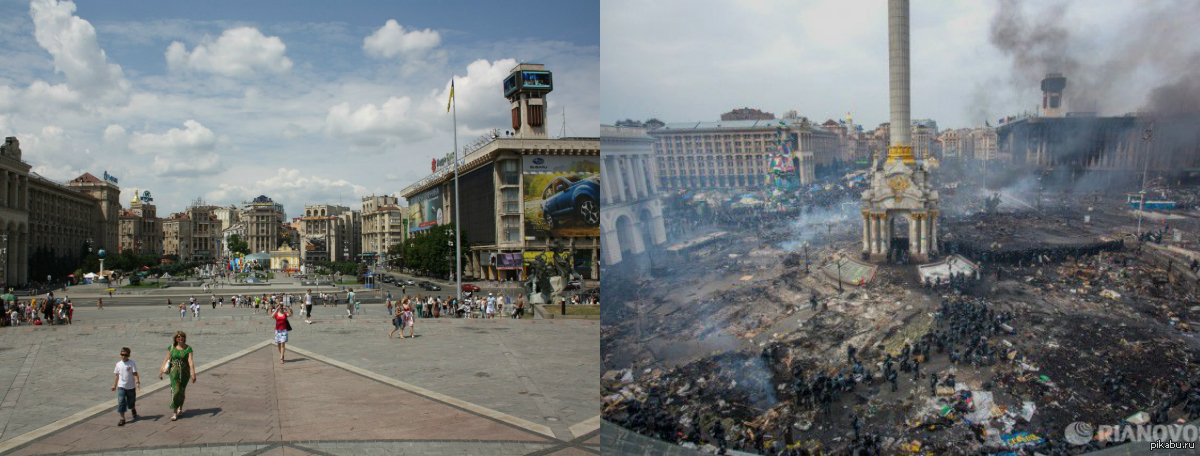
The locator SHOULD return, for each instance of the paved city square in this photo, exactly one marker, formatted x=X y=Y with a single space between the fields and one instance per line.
x=462 y=386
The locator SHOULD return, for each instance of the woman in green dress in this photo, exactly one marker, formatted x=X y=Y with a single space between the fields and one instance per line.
x=180 y=367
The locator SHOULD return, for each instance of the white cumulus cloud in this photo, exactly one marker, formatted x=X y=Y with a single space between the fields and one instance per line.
x=293 y=189
x=239 y=52
x=392 y=40
x=114 y=133
x=478 y=96
x=371 y=125
x=72 y=42
x=195 y=138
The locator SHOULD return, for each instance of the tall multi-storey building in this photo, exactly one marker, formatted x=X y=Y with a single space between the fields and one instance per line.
x=329 y=233
x=384 y=224
x=519 y=196
x=193 y=235
x=227 y=215
x=38 y=213
x=953 y=142
x=984 y=144
x=141 y=229
x=108 y=195
x=734 y=154
x=925 y=139
x=262 y=218
x=61 y=219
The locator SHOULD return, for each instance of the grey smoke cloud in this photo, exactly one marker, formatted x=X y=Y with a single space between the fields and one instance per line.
x=1157 y=45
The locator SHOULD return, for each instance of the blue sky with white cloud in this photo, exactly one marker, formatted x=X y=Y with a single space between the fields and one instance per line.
x=306 y=102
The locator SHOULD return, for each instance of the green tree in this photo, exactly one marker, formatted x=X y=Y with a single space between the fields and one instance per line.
x=432 y=252
x=396 y=255
x=237 y=245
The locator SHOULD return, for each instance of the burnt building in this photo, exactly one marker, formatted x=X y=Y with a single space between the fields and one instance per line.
x=1118 y=147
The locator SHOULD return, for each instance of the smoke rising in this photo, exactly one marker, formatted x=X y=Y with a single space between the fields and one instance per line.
x=1156 y=48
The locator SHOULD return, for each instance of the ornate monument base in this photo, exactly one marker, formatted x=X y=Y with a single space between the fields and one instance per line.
x=900 y=193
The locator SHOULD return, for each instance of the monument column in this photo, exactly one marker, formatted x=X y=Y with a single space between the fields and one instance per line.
x=912 y=234
x=630 y=178
x=887 y=235
x=604 y=185
x=866 y=233
x=875 y=234
x=925 y=238
x=879 y=233
x=619 y=197
x=933 y=247
x=4 y=199
x=924 y=234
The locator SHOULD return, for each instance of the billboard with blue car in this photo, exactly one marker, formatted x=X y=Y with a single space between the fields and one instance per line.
x=562 y=195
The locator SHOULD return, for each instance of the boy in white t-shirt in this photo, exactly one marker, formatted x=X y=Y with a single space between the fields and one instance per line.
x=126 y=383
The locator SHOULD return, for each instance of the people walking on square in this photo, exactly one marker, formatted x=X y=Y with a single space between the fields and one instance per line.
x=195 y=309
x=349 y=303
x=180 y=367
x=397 y=319
x=308 y=305
x=282 y=326
x=100 y=303
x=182 y=311
x=126 y=382
x=406 y=320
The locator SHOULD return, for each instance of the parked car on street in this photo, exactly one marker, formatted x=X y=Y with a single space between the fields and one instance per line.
x=409 y=282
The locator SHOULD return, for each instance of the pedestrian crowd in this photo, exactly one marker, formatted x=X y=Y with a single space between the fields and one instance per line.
x=46 y=310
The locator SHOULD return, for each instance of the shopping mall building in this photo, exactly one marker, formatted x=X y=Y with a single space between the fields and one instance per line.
x=521 y=193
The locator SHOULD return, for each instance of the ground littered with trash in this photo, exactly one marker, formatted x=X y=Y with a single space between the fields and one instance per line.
x=738 y=345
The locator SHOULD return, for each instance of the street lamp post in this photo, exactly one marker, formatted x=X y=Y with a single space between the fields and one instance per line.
x=839 y=273
x=806 y=263
x=1147 y=137
x=4 y=258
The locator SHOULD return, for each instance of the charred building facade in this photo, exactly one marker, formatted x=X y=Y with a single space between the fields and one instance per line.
x=1118 y=147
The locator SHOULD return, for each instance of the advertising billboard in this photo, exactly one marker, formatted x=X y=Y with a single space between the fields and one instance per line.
x=561 y=195
x=425 y=210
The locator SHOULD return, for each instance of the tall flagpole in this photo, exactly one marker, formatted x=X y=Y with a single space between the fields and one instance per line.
x=457 y=220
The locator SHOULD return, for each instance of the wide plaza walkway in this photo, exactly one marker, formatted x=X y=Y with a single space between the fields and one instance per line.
x=486 y=387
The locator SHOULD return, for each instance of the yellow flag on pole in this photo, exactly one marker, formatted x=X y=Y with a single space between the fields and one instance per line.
x=451 y=95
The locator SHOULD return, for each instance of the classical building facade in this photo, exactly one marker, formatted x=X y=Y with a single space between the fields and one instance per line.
x=61 y=219
x=384 y=224
x=631 y=217
x=262 y=218
x=14 y=214
x=108 y=195
x=141 y=229
x=736 y=153
x=329 y=233
x=228 y=216
x=505 y=185
x=38 y=213
x=192 y=235
x=925 y=139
